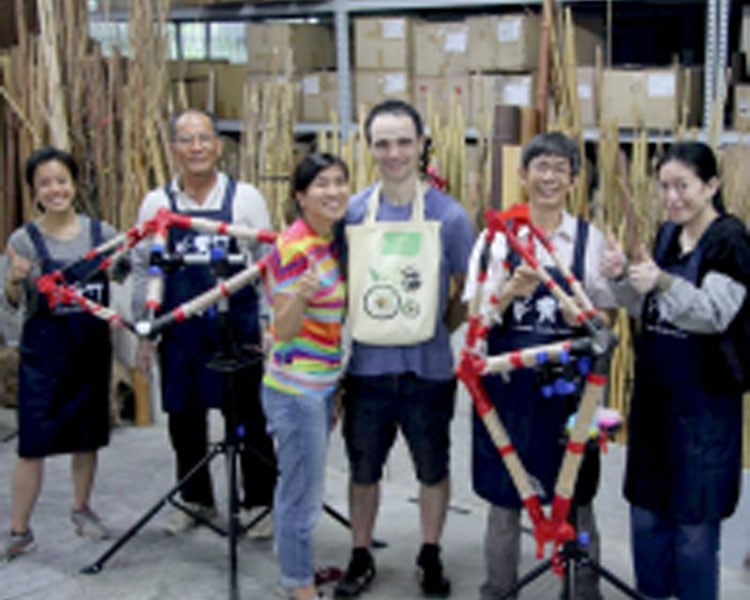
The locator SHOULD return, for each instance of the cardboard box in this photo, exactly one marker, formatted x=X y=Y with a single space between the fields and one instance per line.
x=511 y=42
x=587 y=95
x=311 y=47
x=586 y=88
x=444 y=91
x=320 y=96
x=741 y=121
x=652 y=98
x=383 y=43
x=373 y=86
x=503 y=43
x=217 y=86
x=441 y=48
x=230 y=91
x=196 y=77
x=487 y=91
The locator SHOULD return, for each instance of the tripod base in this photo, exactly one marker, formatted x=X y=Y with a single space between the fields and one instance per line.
x=573 y=556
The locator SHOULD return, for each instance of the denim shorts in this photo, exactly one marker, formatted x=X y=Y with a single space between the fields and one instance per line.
x=377 y=406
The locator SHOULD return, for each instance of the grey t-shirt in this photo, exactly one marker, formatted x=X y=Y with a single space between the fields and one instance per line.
x=62 y=250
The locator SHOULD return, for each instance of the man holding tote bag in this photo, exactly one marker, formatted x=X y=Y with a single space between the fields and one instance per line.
x=409 y=245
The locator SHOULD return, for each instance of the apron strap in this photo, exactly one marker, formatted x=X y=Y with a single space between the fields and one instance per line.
x=95 y=231
x=229 y=191
x=38 y=240
x=171 y=197
x=417 y=206
x=664 y=239
x=579 y=251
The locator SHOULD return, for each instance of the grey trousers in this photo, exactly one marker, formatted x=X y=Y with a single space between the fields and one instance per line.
x=502 y=553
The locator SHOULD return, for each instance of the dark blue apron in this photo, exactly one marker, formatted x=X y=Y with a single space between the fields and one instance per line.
x=66 y=354
x=187 y=347
x=536 y=424
x=684 y=447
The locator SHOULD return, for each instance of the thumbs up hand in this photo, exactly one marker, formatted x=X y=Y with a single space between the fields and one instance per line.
x=19 y=267
x=644 y=272
x=309 y=283
x=614 y=262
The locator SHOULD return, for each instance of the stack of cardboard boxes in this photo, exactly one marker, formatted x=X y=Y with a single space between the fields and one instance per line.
x=476 y=63
x=441 y=67
x=383 y=59
x=308 y=50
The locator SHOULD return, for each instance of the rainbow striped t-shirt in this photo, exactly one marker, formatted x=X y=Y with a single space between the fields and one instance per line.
x=310 y=364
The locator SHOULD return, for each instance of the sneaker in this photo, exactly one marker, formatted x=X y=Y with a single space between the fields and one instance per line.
x=180 y=522
x=88 y=524
x=263 y=529
x=18 y=543
x=359 y=574
x=431 y=579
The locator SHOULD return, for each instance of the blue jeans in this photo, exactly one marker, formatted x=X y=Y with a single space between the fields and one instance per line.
x=300 y=426
x=674 y=559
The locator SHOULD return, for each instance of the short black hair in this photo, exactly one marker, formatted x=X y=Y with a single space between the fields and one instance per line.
x=393 y=107
x=556 y=144
x=45 y=154
x=176 y=117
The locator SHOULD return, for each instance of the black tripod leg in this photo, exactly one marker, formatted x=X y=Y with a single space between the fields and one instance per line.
x=337 y=516
x=536 y=572
x=614 y=580
x=569 y=583
x=232 y=456
x=97 y=565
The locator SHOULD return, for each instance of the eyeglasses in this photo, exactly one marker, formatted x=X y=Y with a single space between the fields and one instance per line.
x=561 y=169
x=203 y=139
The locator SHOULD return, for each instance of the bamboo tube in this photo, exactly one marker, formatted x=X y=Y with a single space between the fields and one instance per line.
x=56 y=118
x=365 y=167
x=542 y=82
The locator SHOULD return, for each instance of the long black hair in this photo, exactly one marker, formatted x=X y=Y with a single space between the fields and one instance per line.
x=304 y=174
x=699 y=158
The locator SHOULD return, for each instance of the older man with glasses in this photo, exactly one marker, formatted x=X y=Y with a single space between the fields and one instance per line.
x=188 y=386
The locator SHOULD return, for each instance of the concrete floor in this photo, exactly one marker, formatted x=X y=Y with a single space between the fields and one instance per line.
x=136 y=468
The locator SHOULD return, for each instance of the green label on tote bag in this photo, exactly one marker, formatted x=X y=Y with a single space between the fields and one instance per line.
x=401 y=243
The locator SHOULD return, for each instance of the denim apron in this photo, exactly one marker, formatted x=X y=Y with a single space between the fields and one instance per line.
x=536 y=424
x=187 y=347
x=684 y=447
x=66 y=359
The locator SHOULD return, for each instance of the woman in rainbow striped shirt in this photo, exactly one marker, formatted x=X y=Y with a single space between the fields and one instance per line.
x=307 y=293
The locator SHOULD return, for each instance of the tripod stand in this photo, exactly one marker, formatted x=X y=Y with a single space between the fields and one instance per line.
x=570 y=557
x=228 y=361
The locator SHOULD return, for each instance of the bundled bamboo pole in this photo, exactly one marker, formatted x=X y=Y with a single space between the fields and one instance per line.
x=49 y=51
x=268 y=143
x=365 y=166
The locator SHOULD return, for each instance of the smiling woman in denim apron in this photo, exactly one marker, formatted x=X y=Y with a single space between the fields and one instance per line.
x=683 y=470
x=65 y=352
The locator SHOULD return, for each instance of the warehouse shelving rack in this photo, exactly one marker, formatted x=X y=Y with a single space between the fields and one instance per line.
x=716 y=43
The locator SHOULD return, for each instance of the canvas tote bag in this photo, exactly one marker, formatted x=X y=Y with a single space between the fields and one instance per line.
x=394 y=275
